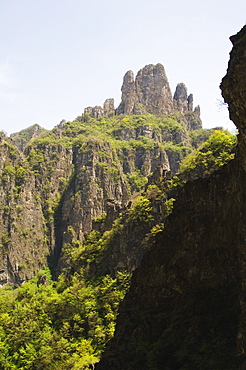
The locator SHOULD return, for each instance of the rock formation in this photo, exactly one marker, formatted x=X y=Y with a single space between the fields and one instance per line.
x=186 y=308
x=95 y=112
x=181 y=100
x=98 y=112
x=22 y=226
x=66 y=186
x=153 y=89
x=150 y=93
x=108 y=108
x=61 y=124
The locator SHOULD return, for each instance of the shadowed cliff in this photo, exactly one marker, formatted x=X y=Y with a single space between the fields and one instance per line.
x=186 y=305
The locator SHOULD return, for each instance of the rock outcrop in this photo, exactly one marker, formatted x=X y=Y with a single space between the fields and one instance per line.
x=108 y=107
x=96 y=112
x=150 y=93
x=186 y=308
x=181 y=100
x=23 y=249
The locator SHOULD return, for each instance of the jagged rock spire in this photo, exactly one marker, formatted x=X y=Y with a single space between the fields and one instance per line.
x=128 y=97
x=180 y=98
x=153 y=89
x=150 y=93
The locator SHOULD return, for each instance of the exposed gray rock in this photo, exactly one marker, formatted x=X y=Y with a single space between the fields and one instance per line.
x=180 y=98
x=128 y=97
x=98 y=112
x=108 y=108
x=95 y=112
x=61 y=124
x=193 y=119
x=149 y=93
x=153 y=89
x=190 y=102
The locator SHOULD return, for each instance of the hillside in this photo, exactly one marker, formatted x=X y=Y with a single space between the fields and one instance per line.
x=52 y=181
x=81 y=205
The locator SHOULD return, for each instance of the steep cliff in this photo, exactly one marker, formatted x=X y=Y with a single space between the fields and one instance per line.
x=22 y=230
x=74 y=173
x=186 y=305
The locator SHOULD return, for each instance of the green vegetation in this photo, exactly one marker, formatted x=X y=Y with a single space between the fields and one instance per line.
x=66 y=324
x=109 y=130
x=62 y=325
x=215 y=152
x=141 y=210
x=199 y=136
x=136 y=181
x=24 y=136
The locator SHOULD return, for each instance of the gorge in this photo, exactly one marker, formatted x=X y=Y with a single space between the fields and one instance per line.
x=134 y=215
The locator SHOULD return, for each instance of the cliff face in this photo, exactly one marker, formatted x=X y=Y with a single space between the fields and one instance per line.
x=67 y=177
x=186 y=307
x=23 y=248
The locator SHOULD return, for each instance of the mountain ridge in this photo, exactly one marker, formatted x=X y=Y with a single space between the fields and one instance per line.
x=86 y=201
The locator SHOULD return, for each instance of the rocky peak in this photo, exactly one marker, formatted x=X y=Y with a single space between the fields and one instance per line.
x=184 y=102
x=108 y=107
x=61 y=124
x=180 y=98
x=150 y=92
x=190 y=102
x=128 y=97
x=153 y=89
x=128 y=83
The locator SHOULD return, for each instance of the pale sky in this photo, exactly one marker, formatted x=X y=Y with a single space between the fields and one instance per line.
x=59 y=56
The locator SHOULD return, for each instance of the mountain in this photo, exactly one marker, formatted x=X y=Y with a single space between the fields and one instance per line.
x=66 y=177
x=93 y=201
x=186 y=305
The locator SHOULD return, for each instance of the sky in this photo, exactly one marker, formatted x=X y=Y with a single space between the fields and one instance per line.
x=59 y=56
